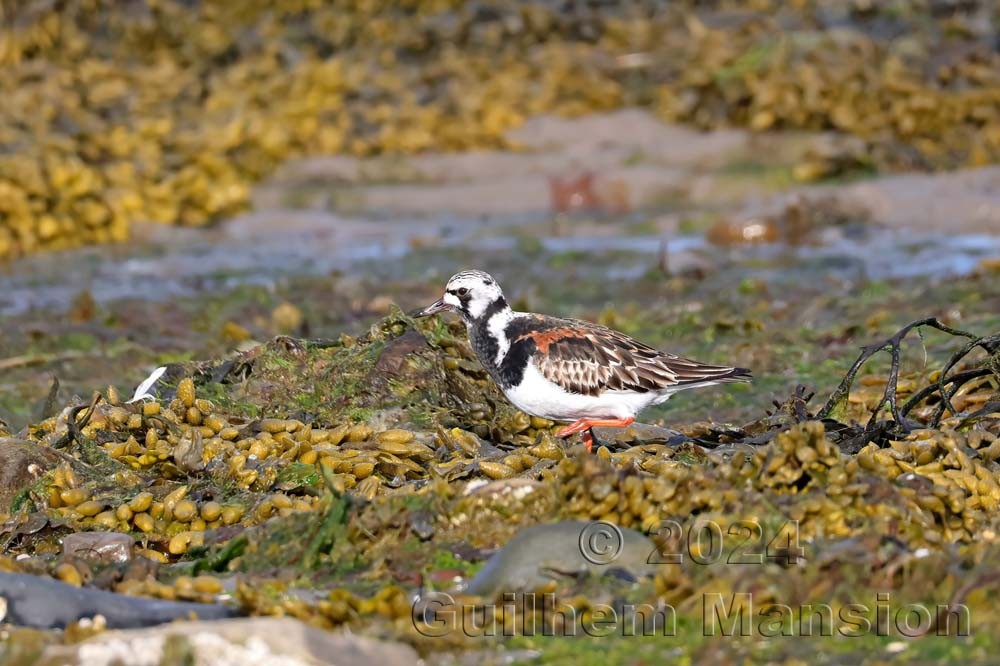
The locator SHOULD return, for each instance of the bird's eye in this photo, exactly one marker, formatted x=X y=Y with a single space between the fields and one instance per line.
x=463 y=291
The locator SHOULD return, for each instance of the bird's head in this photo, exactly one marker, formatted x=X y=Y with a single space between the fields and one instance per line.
x=471 y=294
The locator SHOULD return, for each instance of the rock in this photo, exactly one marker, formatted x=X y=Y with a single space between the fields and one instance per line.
x=392 y=374
x=34 y=601
x=640 y=433
x=422 y=524
x=257 y=641
x=21 y=464
x=394 y=354
x=517 y=488
x=105 y=547
x=542 y=553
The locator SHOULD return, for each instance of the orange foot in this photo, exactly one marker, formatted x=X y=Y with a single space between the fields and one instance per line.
x=587 y=424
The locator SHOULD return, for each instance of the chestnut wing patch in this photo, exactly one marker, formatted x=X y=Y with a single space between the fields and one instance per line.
x=543 y=339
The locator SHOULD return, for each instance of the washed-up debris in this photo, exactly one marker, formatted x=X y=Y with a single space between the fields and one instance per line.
x=101 y=546
x=142 y=391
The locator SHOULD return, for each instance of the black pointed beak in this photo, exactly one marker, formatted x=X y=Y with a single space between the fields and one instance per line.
x=437 y=306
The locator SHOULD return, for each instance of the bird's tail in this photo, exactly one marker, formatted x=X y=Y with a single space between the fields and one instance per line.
x=738 y=375
x=714 y=374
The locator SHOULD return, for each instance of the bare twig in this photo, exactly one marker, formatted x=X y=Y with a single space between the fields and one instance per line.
x=73 y=433
x=40 y=359
x=892 y=343
x=958 y=379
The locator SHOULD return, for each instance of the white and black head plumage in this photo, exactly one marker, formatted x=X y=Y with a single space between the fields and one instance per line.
x=472 y=294
x=585 y=368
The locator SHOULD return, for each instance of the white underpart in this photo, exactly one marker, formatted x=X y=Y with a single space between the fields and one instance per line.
x=497 y=327
x=538 y=396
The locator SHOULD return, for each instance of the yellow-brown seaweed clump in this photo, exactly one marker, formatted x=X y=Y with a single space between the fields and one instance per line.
x=171 y=470
x=169 y=111
x=236 y=483
x=393 y=410
x=932 y=487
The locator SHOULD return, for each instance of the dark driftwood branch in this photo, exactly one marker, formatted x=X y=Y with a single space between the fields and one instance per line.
x=851 y=437
x=990 y=344
x=958 y=379
x=889 y=395
x=986 y=344
x=893 y=343
x=991 y=407
x=73 y=426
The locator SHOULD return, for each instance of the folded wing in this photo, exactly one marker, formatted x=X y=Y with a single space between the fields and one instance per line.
x=589 y=359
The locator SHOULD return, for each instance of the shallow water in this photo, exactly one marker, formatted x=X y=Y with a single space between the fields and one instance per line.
x=261 y=249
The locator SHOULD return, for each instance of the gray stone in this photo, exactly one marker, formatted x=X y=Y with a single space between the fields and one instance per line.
x=104 y=547
x=34 y=601
x=639 y=433
x=256 y=641
x=21 y=464
x=542 y=553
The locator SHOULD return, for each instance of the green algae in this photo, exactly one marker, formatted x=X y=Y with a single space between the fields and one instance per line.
x=394 y=372
x=331 y=529
x=219 y=560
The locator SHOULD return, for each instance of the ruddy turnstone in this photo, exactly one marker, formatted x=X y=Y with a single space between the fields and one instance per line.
x=566 y=369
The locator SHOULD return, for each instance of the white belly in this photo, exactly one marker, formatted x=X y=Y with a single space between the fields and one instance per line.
x=538 y=396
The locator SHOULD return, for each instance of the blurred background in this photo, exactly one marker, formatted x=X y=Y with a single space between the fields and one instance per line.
x=767 y=184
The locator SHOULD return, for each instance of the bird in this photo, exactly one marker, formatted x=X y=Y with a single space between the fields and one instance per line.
x=568 y=370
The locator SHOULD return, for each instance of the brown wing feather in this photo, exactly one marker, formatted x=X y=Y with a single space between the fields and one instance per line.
x=589 y=359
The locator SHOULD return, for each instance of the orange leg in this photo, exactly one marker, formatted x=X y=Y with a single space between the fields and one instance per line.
x=587 y=424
